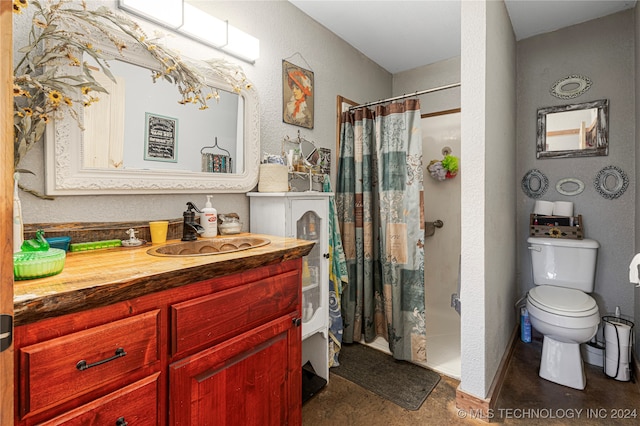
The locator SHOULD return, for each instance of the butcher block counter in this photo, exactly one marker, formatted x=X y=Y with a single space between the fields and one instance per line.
x=97 y=278
x=121 y=337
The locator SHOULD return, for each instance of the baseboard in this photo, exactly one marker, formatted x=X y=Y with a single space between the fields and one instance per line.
x=479 y=408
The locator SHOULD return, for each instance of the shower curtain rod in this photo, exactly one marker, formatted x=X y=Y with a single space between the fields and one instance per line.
x=421 y=92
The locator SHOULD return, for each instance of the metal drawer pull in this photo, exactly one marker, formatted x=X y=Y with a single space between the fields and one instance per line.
x=121 y=422
x=82 y=364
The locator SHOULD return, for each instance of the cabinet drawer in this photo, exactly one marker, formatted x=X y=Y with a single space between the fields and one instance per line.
x=100 y=358
x=136 y=404
x=209 y=319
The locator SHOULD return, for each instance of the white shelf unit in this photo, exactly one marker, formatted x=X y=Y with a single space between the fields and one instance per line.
x=303 y=215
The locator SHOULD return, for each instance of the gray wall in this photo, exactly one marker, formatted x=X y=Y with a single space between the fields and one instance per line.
x=283 y=30
x=637 y=159
x=602 y=50
x=428 y=77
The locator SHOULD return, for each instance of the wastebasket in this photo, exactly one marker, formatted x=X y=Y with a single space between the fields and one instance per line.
x=618 y=336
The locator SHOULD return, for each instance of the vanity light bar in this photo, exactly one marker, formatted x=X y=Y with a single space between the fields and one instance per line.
x=197 y=25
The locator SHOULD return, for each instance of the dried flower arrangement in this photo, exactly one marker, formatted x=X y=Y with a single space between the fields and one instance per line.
x=61 y=34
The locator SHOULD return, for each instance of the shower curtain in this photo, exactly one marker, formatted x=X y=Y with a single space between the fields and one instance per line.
x=379 y=203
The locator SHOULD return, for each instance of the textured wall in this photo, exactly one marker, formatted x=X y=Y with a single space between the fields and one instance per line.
x=602 y=50
x=637 y=180
x=283 y=30
x=488 y=203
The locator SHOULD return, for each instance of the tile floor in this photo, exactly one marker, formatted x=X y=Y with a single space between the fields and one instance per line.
x=525 y=399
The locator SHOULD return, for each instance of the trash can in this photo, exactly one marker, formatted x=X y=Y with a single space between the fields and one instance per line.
x=618 y=336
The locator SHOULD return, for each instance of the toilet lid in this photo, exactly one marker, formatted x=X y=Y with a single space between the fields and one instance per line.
x=568 y=301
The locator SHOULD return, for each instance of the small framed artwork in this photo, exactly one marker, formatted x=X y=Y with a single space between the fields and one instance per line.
x=297 y=95
x=161 y=138
x=325 y=160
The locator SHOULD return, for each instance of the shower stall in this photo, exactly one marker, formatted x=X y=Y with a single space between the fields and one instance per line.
x=441 y=135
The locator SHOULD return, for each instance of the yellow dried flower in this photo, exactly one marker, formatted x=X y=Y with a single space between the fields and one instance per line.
x=203 y=107
x=55 y=97
x=85 y=90
x=39 y=23
x=44 y=117
x=68 y=101
x=28 y=111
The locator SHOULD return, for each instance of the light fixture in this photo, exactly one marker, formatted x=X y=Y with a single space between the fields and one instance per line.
x=197 y=25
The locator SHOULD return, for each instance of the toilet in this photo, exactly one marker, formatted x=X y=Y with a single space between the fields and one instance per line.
x=560 y=307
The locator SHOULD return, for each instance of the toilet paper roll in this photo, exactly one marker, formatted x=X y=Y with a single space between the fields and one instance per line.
x=623 y=333
x=623 y=371
x=563 y=208
x=543 y=208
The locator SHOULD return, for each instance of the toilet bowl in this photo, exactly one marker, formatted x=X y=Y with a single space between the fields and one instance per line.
x=567 y=318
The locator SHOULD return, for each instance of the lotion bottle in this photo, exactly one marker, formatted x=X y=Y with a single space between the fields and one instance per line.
x=209 y=219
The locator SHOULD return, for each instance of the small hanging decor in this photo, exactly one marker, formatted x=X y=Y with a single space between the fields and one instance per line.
x=447 y=168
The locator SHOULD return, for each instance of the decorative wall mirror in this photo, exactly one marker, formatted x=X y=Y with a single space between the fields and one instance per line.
x=577 y=130
x=87 y=162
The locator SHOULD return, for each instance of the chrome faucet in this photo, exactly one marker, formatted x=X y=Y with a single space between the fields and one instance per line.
x=190 y=229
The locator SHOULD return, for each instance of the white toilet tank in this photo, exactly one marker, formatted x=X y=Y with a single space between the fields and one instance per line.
x=564 y=262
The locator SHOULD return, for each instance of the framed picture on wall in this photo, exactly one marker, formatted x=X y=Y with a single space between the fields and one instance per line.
x=297 y=95
x=161 y=138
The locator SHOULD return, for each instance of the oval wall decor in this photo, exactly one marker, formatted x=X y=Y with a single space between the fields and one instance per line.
x=570 y=186
x=570 y=87
x=535 y=183
x=611 y=182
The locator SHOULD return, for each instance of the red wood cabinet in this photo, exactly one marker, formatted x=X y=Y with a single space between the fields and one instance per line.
x=223 y=351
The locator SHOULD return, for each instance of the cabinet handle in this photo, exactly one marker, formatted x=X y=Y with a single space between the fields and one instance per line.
x=82 y=364
x=121 y=422
x=297 y=322
x=326 y=255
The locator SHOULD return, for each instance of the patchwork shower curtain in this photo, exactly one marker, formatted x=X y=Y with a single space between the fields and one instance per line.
x=379 y=204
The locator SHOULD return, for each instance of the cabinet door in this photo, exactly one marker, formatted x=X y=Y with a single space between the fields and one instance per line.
x=252 y=379
x=310 y=222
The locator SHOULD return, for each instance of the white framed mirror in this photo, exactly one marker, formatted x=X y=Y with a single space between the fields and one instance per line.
x=576 y=130
x=115 y=153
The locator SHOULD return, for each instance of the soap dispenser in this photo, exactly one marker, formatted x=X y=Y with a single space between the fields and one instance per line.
x=209 y=219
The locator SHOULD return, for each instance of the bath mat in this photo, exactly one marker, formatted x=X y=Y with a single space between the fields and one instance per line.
x=400 y=382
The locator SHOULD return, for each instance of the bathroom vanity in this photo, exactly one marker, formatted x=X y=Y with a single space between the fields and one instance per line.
x=122 y=337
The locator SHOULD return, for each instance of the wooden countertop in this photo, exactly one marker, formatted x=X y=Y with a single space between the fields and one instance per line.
x=101 y=277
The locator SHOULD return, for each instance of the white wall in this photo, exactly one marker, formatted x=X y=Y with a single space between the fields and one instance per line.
x=603 y=51
x=488 y=205
x=283 y=30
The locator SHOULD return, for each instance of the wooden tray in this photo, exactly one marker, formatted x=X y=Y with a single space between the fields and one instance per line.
x=546 y=227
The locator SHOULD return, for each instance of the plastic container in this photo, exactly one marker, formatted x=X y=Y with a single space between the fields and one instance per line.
x=61 y=243
x=28 y=265
x=209 y=219
x=525 y=326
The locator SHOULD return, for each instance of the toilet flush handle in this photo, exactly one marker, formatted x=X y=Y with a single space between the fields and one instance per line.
x=535 y=248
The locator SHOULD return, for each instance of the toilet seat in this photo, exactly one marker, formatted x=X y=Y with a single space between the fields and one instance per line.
x=562 y=301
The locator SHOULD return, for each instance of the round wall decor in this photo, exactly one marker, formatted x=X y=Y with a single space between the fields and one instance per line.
x=570 y=87
x=570 y=186
x=535 y=183
x=611 y=182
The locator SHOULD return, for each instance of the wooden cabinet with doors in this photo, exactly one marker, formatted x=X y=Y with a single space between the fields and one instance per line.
x=220 y=351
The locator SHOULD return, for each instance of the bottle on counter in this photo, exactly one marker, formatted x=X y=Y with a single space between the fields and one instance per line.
x=209 y=219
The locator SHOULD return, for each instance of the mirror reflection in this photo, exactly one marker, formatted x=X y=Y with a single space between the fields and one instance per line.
x=578 y=130
x=120 y=131
x=140 y=140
